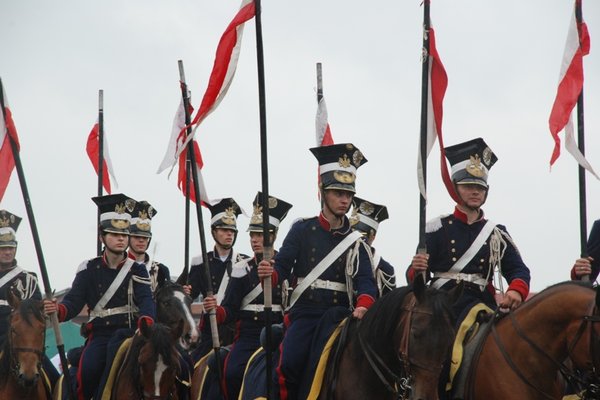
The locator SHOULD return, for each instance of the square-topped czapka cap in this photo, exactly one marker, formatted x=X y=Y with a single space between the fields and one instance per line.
x=471 y=162
x=338 y=164
x=115 y=212
x=366 y=216
x=141 y=219
x=9 y=223
x=224 y=214
x=278 y=210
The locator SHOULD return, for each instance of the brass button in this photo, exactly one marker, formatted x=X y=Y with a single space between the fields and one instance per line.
x=312 y=259
x=335 y=300
x=453 y=241
x=313 y=249
x=453 y=258
x=449 y=222
x=481 y=260
x=454 y=250
x=314 y=228
x=256 y=317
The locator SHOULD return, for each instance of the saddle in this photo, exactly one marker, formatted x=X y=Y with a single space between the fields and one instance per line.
x=470 y=337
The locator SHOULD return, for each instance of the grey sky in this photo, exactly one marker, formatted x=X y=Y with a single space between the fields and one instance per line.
x=502 y=60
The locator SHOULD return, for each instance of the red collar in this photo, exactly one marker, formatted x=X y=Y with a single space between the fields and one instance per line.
x=461 y=216
x=120 y=264
x=133 y=257
x=324 y=222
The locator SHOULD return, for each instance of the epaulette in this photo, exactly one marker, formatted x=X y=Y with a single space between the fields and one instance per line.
x=197 y=260
x=435 y=224
x=82 y=266
x=240 y=268
x=302 y=219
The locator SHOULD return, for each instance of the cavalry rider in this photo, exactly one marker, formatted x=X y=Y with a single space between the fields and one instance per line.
x=244 y=302
x=465 y=246
x=220 y=260
x=140 y=235
x=365 y=217
x=13 y=277
x=589 y=265
x=115 y=289
x=330 y=264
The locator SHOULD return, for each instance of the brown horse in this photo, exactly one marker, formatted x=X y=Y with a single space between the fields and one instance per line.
x=552 y=338
x=150 y=367
x=21 y=358
x=397 y=350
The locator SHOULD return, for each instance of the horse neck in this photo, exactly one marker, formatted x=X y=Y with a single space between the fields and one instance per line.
x=551 y=321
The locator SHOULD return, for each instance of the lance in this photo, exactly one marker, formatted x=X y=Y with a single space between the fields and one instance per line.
x=422 y=247
x=267 y=245
x=38 y=249
x=209 y=288
x=100 y=162
x=581 y=145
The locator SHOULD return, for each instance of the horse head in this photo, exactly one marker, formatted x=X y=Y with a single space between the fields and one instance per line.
x=426 y=333
x=26 y=339
x=158 y=362
x=173 y=306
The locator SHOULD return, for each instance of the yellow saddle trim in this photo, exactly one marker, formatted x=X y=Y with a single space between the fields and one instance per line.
x=250 y=360
x=115 y=368
x=317 y=382
x=458 y=348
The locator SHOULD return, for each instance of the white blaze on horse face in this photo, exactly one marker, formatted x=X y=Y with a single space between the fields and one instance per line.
x=158 y=372
x=188 y=316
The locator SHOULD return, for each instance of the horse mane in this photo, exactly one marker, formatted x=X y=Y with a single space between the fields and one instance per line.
x=557 y=286
x=27 y=308
x=379 y=325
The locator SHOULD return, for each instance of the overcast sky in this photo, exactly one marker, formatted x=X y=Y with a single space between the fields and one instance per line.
x=502 y=59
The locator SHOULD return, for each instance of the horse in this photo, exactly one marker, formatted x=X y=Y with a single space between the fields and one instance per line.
x=21 y=358
x=172 y=306
x=397 y=350
x=551 y=338
x=150 y=367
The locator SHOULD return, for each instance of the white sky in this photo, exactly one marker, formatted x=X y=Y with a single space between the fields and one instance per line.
x=502 y=59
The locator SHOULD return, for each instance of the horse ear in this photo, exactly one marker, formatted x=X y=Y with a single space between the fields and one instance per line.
x=13 y=298
x=419 y=287
x=178 y=331
x=456 y=292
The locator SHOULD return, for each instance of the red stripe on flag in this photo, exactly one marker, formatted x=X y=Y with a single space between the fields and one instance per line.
x=224 y=64
x=438 y=82
x=571 y=84
x=7 y=160
x=93 y=151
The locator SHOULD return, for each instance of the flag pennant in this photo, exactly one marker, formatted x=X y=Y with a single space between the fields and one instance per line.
x=7 y=131
x=93 y=151
x=569 y=88
x=437 y=84
x=175 y=153
x=226 y=59
x=323 y=131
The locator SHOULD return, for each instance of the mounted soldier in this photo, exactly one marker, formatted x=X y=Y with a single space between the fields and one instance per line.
x=243 y=303
x=140 y=236
x=330 y=267
x=12 y=277
x=116 y=291
x=220 y=260
x=465 y=246
x=365 y=218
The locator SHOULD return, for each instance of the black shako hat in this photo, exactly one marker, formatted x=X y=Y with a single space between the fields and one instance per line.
x=471 y=162
x=338 y=164
x=141 y=219
x=9 y=223
x=224 y=214
x=115 y=212
x=366 y=216
x=278 y=210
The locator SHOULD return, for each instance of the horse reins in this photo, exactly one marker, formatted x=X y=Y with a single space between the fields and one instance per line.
x=15 y=365
x=565 y=371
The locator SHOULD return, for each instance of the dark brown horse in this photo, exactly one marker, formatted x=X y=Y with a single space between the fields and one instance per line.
x=150 y=367
x=173 y=306
x=552 y=338
x=21 y=358
x=397 y=350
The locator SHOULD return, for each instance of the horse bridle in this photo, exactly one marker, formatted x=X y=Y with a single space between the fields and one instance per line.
x=399 y=386
x=14 y=362
x=592 y=384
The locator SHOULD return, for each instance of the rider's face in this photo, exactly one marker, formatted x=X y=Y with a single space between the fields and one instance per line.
x=7 y=255
x=115 y=242
x=138 y=244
